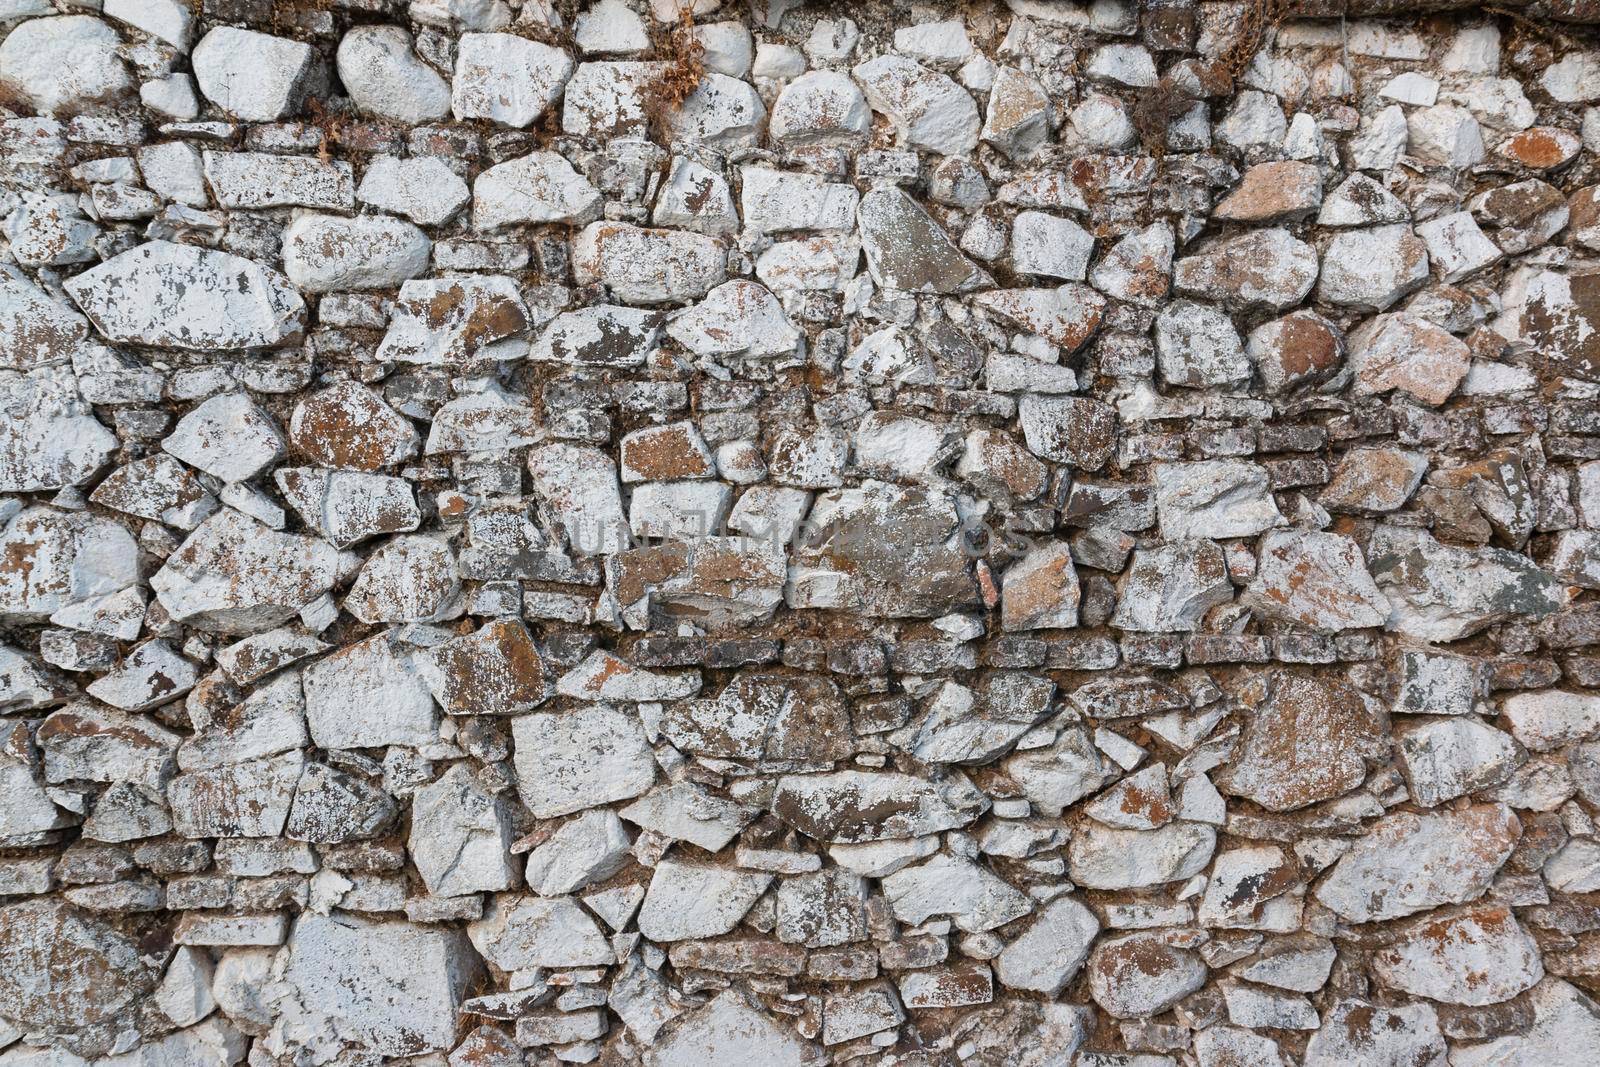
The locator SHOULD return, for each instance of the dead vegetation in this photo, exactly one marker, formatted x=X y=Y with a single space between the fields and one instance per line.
x=329 y=125
x=1159 y=106
x=677 y=44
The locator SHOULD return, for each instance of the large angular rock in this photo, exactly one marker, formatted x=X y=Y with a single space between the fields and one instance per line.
x=1551 y=719
x=721 y=582
x=507 y=79
x=234 y=575
x=496 y=670
x=1141 y=975
x=579 y=487
x=973 y=897
x=1077 y=431
x=49 y=437
x=167 y=295
x=587 y=849
x=1264 y=270
x=574 y=760
x=860 y=806
x=1315 y=580
x=1197 y=346
x=611 y=100
x=774 y=201
x=387 y=988
x=1473 y=956
x=56 y=559
x=331 y=807
x=1404 y=353
x=684 y=811
x=448 y=320
x=605 y=335
x=1106 y=858
x=35 y=328
x=347 y=425
x=1040 y=590
x=409 y=578
x=729 y=1030
x=1067 y=316
x=1356 y=1031
x=1561 y=320
x=84 y=742
x=250 y=799
x=1214 y=499
x=930 y=111
x=1138 y=268
x=906 y=249
x=520 y=933
x=1273 y=192
x=1443 y=593
x=424 y=190
x=648 y=266
x=326 y=253
x=150 y=675
x=461 y=836
x=253 y=77
x=269 y=721
x=1018 y=119
x=228 y=437
x=254 y=180
x=1050 y=246
x=722 y=113
x=368 y=695
x=1253 y=888
x=883 y=550
x=1046 y=956
x=694 y=900
x=1307 y=743
x=760 y=716
x=386 y=78
x=69 y=971
x=1450 y=858
x=1302 y=348
x=737 y=318
x=1171 y=586
x=1373 y=481
x=1370 y=269
x=1566 y=1023
x=346 y=507
x=820 y=108
x=966 y=726
x=1451 y=757
x=536 y=188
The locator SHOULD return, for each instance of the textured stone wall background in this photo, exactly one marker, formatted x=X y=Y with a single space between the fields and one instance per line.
x=1024 y=534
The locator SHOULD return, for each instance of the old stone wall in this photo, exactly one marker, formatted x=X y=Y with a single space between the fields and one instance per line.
x=1022 y=534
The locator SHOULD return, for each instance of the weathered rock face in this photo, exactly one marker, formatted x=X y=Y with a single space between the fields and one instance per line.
x=391 y=987
x=858 y=560
x=1456 y=854
x=794 y=533
x=1308 y=742
x=167 y=295
x=69 y=971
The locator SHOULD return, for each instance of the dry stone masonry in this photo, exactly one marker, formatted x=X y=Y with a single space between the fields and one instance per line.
x=1022 y=533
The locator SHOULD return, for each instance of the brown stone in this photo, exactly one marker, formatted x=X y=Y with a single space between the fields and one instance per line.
x=1541 y=147
x=1273 y=192
x=494 y=671
x=348 y=425
x=1308 y=742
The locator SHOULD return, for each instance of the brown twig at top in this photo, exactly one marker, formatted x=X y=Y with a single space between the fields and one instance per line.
x=1260 y=18
x=667 y=92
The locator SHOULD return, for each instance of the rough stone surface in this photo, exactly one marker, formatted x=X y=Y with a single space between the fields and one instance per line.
x=1016 y=534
